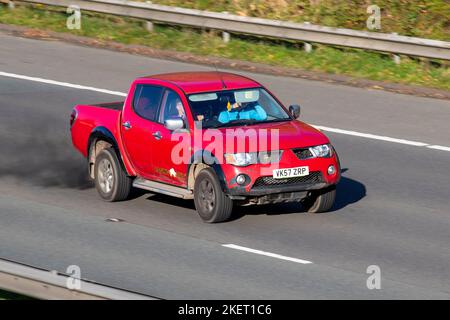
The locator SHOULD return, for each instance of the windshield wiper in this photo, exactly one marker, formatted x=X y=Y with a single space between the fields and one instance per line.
x=248 y=122
x=237 y=122
x=277 y=120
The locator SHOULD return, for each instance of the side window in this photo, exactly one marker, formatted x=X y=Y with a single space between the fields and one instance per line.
x=147 y=100
x=172 y=107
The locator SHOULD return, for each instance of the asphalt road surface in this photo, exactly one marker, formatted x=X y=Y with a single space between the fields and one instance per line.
x=392 y=209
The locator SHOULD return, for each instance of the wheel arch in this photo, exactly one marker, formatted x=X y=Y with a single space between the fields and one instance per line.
x=99 y=139
x=205 y=159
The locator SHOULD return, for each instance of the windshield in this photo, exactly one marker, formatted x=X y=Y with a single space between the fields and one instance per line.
x=235 y=107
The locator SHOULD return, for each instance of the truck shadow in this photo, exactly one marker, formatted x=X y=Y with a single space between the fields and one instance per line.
x=349 y=191
x=187 y=204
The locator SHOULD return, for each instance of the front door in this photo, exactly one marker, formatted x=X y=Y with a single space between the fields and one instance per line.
x=138 y=121
x=169 y=167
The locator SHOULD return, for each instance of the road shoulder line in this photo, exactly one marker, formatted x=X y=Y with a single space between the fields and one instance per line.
x=319 y=127
x=186 y=57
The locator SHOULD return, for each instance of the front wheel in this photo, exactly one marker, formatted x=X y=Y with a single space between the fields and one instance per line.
x=212 y=204
x=111 y=181
x=320 y=200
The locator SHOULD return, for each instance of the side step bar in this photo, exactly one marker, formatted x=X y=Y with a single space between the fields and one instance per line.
x=163 y=188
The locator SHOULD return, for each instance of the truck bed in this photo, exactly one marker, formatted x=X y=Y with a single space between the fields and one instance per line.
x=110 y=105
x=89 y=117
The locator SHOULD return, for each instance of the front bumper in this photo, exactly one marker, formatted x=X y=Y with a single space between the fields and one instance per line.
x=272 y=189
x=262 y=183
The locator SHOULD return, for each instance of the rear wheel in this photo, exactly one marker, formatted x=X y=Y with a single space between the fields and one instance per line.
x=320 y=200
x=212 y=204
x=111 y=181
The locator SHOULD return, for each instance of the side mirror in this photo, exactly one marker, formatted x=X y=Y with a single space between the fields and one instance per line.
x=174 y=124
x=295 y=110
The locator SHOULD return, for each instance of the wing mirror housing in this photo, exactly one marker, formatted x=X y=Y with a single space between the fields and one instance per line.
x=295 y=110
x=174 y=124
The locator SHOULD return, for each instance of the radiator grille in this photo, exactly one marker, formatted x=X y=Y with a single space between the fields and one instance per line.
x=312 y=178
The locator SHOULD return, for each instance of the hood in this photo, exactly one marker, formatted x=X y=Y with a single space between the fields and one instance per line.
x=292 y=134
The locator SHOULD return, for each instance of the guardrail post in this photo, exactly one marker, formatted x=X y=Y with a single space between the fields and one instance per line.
x=397 y=59
x=149 y=26
x=307 y=47
x=225 y=36
x=395 y=56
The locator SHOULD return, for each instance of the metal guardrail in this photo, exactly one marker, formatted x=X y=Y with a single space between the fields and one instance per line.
x=390 y=43
x=41 y=284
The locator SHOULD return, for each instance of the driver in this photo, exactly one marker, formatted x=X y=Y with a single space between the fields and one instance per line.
x=244 y=111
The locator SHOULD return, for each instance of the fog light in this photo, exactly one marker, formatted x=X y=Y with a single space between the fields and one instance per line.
x=240 y=179
x=331 y=170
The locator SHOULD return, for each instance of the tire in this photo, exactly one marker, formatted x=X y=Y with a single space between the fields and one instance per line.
x=212 y=204
x=320 y=200
x=111 y=181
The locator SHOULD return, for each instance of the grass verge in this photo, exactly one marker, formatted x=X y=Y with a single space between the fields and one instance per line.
x=417 y=18
x=335 y=60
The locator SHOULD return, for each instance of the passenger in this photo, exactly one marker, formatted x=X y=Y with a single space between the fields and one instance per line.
x=247 y=111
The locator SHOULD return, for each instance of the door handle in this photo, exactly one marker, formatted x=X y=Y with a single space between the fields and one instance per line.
x=157 y=135
x=127 y=125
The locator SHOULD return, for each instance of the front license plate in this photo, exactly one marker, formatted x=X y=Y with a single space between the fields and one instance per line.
x=290 y=172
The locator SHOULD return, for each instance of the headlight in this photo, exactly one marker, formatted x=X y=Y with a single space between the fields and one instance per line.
x=240 y=159
x=246 y=159
x=322 y=151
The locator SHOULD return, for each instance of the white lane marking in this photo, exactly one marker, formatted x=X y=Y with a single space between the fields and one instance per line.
x=335 y=130
x=372 y=136
x=437 y=147
x=62 y=84
x=264 y=253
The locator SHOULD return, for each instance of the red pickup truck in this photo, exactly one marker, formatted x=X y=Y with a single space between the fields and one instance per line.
x=219 y=138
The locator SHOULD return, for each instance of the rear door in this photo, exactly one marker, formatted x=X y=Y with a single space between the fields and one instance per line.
x=138 y=121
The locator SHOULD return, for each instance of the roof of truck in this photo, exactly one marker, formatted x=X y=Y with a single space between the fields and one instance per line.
x=206 y=81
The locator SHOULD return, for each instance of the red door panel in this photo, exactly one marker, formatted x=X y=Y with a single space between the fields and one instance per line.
x=167 y=163
x=138 y=125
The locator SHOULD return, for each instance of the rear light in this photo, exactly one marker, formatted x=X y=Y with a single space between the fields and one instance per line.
x=73 y=117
